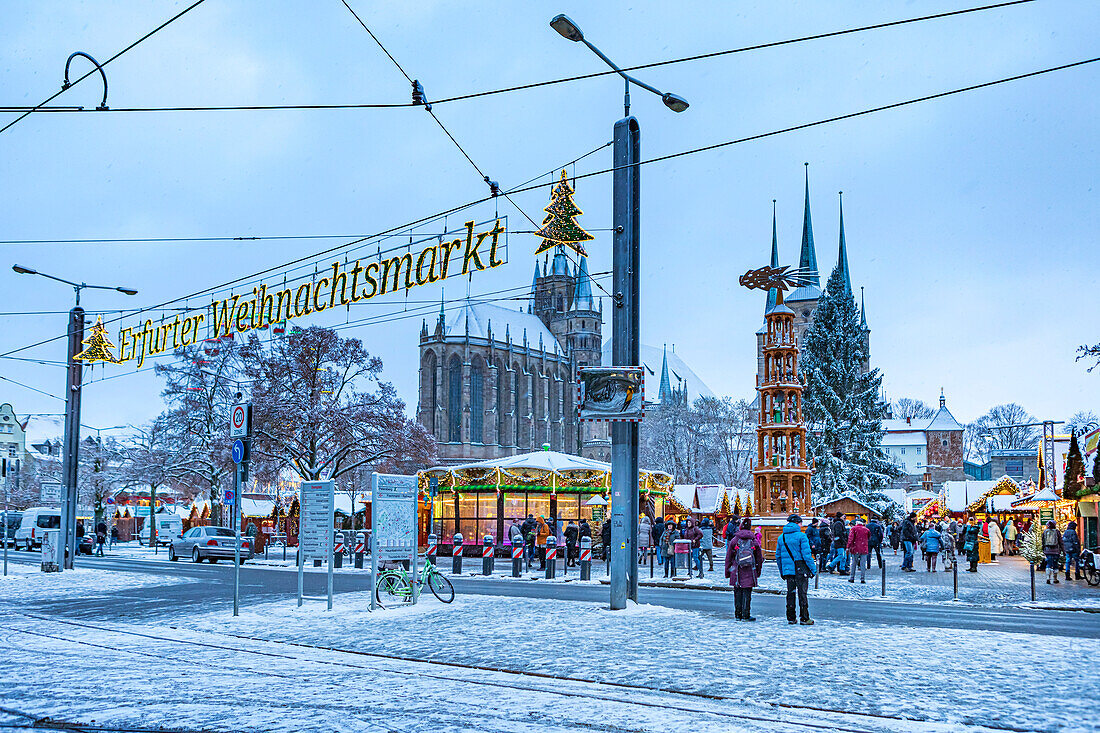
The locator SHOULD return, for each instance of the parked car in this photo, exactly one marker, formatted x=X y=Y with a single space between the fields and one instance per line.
x=208 y=543
x=14 y=519
x=168 y=527
x=86 y=545
x=33 y=521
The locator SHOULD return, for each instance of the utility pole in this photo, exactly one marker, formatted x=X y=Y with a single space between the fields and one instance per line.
x=71 y=457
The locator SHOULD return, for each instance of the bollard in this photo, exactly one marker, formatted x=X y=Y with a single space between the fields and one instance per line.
x=338 y=552
x=456 y=554
x=360 y=549
x=681 y=552
x=883 y=569
x=433 y=547
x=586 y=558
x=955 y=579
x=652 y=553
x=817 y=575
x=487 y=555
x=551 y=557
x=517 y=561
x=1032 y=565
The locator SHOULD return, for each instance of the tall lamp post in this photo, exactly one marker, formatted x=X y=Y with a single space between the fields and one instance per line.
x=75 y=370
x=624 y=322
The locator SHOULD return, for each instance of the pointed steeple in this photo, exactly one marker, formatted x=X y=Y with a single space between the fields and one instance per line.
x=772 y=292
x=807 y=258
x=441 y=324
x=561 y=262
x=582 y=297
x=842 y=255
x=664 y=394
x=862 y=311
x=534 y=288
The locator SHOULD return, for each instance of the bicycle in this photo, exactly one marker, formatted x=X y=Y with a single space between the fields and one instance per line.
x=396 y=584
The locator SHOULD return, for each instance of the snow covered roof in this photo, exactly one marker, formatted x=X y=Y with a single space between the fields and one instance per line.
x=503 y=320
x=807 y=292
x=546 y=460
x=915 y=437
x=894 y=425
x=944 y=420
x=652 y=359
x=41 y=428
x=256 y=507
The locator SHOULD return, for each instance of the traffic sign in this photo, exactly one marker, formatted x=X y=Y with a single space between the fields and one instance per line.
x=433 y=486
x=240 y=420
x=240 y=453
x=230 y=497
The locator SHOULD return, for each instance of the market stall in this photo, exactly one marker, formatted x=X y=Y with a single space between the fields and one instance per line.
x=478 y=499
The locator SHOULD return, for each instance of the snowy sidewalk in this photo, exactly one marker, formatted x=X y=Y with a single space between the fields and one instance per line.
x=508 y=664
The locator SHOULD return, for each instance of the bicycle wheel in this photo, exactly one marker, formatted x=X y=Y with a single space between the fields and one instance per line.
x=441 y=587
x=1092 y=577
x=391 y=588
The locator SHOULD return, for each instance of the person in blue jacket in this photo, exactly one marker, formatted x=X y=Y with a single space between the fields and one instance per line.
x=796 y=565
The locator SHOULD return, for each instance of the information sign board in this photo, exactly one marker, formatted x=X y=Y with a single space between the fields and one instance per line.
x=315 y=525
x=393 y=516
x=51 y=492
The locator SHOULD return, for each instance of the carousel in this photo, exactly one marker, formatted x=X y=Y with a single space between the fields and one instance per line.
x=483 y=498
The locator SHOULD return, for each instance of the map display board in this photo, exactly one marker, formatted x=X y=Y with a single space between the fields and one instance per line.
x=393 y=516
x=315 y=531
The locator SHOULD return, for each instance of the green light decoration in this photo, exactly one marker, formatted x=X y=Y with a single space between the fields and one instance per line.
x=560 y=225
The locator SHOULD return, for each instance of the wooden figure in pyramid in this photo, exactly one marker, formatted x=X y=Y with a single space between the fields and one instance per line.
x=560 y=225
x=97 y=347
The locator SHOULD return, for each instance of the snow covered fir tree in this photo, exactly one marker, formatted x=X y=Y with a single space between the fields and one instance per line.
x=842 y=400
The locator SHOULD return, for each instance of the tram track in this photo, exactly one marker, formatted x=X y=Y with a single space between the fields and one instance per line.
x=875 y=719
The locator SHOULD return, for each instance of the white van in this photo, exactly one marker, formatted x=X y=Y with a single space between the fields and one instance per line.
x=36 y=519
x=169 y=527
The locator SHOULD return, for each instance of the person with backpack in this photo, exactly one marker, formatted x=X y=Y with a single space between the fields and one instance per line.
x=645 y=534
x=1053 y=548
x=572 y=534
x=706 y=544
x=795 y=561
x=876 y=533
x=529 y=529
x=657 y=534
x=859 y=538
x=826 y=539
x=515 y=535
x=931 y=541
x=947 y=545
x=813 y=534
x=909 y=539
x=839 y=562
x=100 y=537
x=1072 y=547
x=605 y=538
x=744 y=561
x=696 y=536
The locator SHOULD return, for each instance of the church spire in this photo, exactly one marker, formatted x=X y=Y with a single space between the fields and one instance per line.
x=582 y=297
x=534 y=287
x=664 y=395
x=862 y=311
x=842 y=255
x=807 y=258
x=772 y=292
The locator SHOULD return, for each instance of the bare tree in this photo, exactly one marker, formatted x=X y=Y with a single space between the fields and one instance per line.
x=1006 y=427
x=314 y=415
x=1089 y=353
x=200 y=388
x=975 y=442
x=155 y=458
x=1083 y=422
x=908 y=408
x=99 y=473
x=710 y=442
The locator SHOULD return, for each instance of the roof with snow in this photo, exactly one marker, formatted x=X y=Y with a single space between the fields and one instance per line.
x=546 y=460
x=503 y=320
x=944 y=420
x=679 y=372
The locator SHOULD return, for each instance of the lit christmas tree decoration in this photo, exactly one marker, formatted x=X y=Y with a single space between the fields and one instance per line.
x=97 y=347
x=560 y=225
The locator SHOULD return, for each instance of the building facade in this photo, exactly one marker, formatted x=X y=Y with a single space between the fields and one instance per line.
x=495 y=382
x=12 y=438
x=928 y=450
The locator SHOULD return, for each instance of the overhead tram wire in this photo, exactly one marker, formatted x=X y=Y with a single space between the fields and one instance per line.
x=605 y=171
x=99 y=68
x=32 y=389
x=533 y=85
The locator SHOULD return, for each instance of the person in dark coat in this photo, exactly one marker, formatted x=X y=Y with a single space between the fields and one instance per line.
x=909 y=537
x=530 y=529
x=744 y=561
x=826 y=538
x=970 y=544
x=1052 y=549
x=100 y=537
x=655 y=539
x=1072 y=547
x=813 y=534
x=572 y=534
x=691 y=532
x=895 y=536
x=605 y=538
x=875 y=541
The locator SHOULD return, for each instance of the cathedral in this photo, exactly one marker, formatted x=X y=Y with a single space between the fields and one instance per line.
x=495 y=382
x=803 y=300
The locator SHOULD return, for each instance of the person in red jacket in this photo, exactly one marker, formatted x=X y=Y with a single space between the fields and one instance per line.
x=859 y=550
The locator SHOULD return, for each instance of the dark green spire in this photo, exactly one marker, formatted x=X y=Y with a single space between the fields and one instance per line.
x=842 y=255
x=772 y=292
x=807 y=258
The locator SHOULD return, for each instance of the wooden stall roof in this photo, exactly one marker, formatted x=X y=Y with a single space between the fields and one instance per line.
x=847 y=505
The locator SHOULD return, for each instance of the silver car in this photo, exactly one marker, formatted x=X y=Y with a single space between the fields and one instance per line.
x=208 y=543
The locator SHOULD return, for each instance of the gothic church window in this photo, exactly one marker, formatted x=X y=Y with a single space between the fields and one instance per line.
x=502 y=398
x=454 y=403
x=477 y=403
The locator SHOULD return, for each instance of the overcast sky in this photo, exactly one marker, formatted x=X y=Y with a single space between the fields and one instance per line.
x=971 y=221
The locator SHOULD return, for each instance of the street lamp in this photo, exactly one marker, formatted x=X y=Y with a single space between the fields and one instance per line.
x=75 y=374
x=569 y=30
x=624 y=321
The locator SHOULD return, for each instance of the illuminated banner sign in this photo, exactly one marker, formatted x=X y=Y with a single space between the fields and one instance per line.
x=340 y=285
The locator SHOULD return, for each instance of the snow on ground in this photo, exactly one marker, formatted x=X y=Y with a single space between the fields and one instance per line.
x=28 y=582
x=944 y=675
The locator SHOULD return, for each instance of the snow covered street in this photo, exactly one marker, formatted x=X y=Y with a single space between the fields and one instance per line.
x=510 y=664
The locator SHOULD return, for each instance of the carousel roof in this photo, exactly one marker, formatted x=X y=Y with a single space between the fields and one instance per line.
x=546 y=460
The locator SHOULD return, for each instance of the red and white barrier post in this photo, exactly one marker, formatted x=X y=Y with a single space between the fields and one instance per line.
x=551 y=557
x=456 y=554
x=586 y=558
x=360 y=549
x=433 y=547
x=517 y=561
x=338 y=551
x=487 y=555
